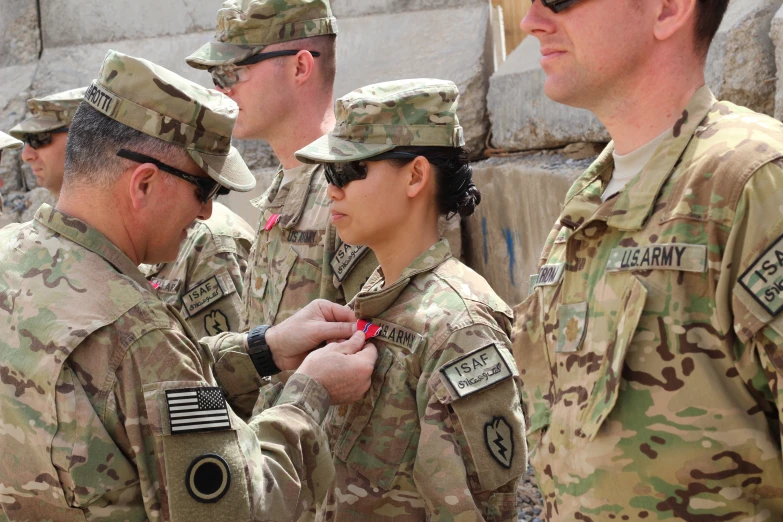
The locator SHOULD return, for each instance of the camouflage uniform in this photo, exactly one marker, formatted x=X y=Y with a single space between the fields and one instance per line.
x=297 y=256
x=50 y=113
x=109 y=409
x=213 y=258
x=7 y=142
x=440 y=434
x=651 y=349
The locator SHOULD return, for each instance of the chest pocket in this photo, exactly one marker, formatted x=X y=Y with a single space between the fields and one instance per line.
x=373 y=435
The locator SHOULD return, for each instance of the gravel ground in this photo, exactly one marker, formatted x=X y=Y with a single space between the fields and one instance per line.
x=529 y=499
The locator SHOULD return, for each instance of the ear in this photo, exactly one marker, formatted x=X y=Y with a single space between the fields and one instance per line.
x=672 y=16
x=305 y=67
x=142 y=181
x=419 y=174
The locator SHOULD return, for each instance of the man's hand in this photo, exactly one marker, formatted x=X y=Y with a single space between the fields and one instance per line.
x=344 y=369
x=319 y=321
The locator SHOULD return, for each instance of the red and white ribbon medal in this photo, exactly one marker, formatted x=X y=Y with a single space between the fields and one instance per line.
x=370 y=330
x=271 y=222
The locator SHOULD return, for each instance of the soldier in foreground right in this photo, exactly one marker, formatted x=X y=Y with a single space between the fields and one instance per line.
x=651 y=347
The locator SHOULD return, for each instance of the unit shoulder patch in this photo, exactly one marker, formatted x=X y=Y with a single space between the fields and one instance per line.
x=208 y=478
x=345 y=258
x=499 y=439
x=194 y=410
x=477 y=370
x=670 y=256
x=202 y=295
x=216 y=322
x=764 y=278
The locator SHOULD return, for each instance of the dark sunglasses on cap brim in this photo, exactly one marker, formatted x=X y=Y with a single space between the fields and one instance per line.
x=557 y=5
x=340 y=174
x=225 y=76
x=208 y=187
x=41 y=139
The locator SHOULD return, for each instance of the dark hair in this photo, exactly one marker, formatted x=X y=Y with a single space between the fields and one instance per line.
x=93 y=142
x=455 y=191
x=709 y=14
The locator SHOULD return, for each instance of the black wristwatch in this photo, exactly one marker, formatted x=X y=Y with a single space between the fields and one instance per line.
x=260 y=353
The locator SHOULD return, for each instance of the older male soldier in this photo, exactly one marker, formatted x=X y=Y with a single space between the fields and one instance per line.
x=45 y=133
x=109 y=409
x=652 y=345
x=277 y=61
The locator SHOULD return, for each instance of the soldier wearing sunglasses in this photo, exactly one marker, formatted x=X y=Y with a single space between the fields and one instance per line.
x=45 y=133
x=276 y=60
x=651 y=346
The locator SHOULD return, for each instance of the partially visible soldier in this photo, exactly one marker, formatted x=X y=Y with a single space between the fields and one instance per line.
x=651 y=348
x=277 y=61
x=205 y=281
x=109 y=409
x=45 y=134
x=7 y=142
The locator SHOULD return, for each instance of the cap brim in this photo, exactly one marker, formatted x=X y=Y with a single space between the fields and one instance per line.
x=230 y=170
x=7 y=142
x=34 y=125
x=215 y=53
x=330 y=149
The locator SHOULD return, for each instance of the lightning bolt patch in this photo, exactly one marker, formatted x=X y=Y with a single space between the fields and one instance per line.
x=499 y=440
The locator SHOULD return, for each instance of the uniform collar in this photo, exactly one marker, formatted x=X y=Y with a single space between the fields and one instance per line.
x=292 y=197
x=635 y=204
x=374 y=301
x=83 y=234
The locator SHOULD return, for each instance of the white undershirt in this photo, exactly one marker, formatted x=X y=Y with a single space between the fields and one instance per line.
x=630 y=165
x=290 y=174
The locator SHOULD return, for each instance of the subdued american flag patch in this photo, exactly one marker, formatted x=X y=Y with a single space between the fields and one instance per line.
x=192 y=410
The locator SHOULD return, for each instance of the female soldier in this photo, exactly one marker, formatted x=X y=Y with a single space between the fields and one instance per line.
x=440 y=433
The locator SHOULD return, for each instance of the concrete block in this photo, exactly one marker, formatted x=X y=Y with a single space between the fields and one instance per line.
x=523 y=118
x=450 y=44
x=522 y=197
x=741 y=61
x=776 y=33
x=70 y=67
x=352 y=8
x=76 y=22
x=20 y=38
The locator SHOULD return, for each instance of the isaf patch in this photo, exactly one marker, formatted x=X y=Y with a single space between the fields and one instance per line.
x=345 y=258
x=216 y=322
x=499 y=439
x=194 y=410
x=764 y=278
x=477 y=370
x=202 y=295
x=208 y=478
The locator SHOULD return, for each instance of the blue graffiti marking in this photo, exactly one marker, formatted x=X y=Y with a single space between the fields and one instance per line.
x=511 y=256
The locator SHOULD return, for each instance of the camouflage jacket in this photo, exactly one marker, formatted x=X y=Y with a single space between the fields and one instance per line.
x=439 y=435
x=109 y=411
x=205 y=282
x=651 y=349
x=297 y=256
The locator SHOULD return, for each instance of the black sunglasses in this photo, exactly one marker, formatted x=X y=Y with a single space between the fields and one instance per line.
x=225 y=76
x=42 y=139
x=208 y=187
x=340 y=174
x=557 y=5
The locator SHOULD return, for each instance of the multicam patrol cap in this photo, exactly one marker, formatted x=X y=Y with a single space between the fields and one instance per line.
x=162 y=104
x=245 y=27
x=7 y=142
x=377 y=118
x=50 y=113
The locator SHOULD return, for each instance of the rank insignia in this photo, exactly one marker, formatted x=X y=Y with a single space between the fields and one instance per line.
x=208 y=478
x=499 y=440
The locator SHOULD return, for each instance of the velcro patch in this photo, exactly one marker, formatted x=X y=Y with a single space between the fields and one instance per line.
x=671 y=256
x=193 y=410
x=764 y=278
x=304 y=237
x=202 y=295
x=345 y=258
x=399 y=336
x=208 y=478
x=477 y=370
x=550 y=275
x=100 y=99
x=165 y=285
